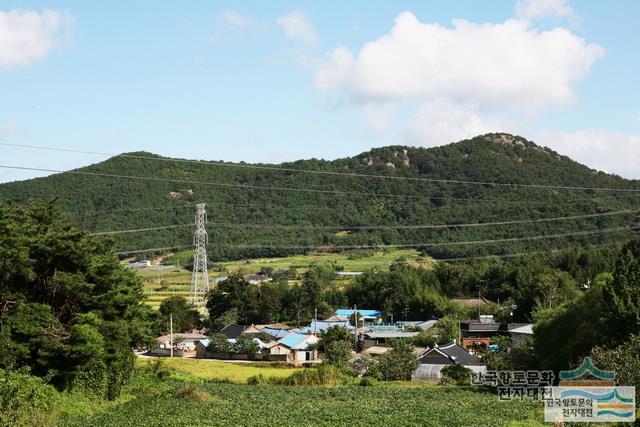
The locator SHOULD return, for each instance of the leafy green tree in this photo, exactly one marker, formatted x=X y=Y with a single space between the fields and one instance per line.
x=68 y=310
x=623 y=360
x=235 y=292
x=338 y=353
x=218 y=343
x=185 y=316
x=333 y=334
x=622 y=294
x=565 y=334
x=245 y=345
x=397 y=364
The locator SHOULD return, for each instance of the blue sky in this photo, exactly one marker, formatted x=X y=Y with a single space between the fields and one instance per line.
x=275 y=81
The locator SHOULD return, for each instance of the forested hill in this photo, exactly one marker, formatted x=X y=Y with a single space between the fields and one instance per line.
x=243 y=213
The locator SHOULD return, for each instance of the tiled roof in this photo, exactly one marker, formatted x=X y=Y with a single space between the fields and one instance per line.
x=455 y=353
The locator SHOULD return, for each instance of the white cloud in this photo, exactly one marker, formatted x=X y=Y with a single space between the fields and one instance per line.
x=297 y=27
x=236 y=20
x=535 y=9
x=441 y=122
x=612 y=152
x=334 y=70
x=27 y=36
x=489 y=65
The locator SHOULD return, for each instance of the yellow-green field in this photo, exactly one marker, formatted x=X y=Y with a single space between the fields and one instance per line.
x=162 y=282
x=221 y=371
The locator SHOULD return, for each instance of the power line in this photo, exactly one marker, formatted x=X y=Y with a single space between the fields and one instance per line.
x=574 y=202
x=413 y=245
x=419 y=245
x=332 y=173
x=166 y=248
x=515 y=255
x=372 y=227
x=227 y=185
x=139 y=230
x=218 y=184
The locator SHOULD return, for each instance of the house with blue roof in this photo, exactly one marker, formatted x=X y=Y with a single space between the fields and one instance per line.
x=296 y=348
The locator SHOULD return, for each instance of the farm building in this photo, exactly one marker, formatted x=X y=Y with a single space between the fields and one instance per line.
x=478 y=333
x=320 y=326
x=184 y=340
x=385 y=337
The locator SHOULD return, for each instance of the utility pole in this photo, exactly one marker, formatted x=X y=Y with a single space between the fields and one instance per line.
x=480 y=296
x=200 y=276
x=171 y=333
x=315 y=321
x=355 y=331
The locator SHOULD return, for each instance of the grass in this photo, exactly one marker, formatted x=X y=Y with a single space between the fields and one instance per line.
x=178 y=280
x=207 y=370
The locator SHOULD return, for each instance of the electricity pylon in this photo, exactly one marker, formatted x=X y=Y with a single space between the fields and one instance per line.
x=200 y=276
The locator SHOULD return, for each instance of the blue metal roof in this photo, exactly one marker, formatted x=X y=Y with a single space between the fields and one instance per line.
x=276 y=333
x=295 y=341
x=364 y=313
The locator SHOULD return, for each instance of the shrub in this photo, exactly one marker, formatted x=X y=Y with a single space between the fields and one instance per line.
x=193 y=392
x=322 y=375
x=245 y=345
x=25 y=400
x=623 y=360
x=457 y=374
x=368 y=382
x=218 y=344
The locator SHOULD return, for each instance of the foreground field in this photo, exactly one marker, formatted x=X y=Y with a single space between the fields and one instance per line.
x=233 y=405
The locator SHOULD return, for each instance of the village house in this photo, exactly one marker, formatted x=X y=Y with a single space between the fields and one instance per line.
x=433 y=360
x=477 y=334
x=183 y=342
x=296 y=347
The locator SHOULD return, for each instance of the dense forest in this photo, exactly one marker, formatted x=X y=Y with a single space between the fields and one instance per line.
x=302 y=210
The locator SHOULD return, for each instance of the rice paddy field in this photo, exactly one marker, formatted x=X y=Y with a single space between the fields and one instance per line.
x=209 y=370
x=161 y=282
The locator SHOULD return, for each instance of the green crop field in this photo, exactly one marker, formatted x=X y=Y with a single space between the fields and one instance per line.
x=177 y=280
x=213 y=404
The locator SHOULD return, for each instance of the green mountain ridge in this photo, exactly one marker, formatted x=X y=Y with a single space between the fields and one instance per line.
x=243 y=213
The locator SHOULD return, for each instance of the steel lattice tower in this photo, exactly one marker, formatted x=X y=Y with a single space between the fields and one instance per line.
x=200 y=276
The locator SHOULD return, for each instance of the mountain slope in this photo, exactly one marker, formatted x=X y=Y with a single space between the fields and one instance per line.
x=101 y=203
